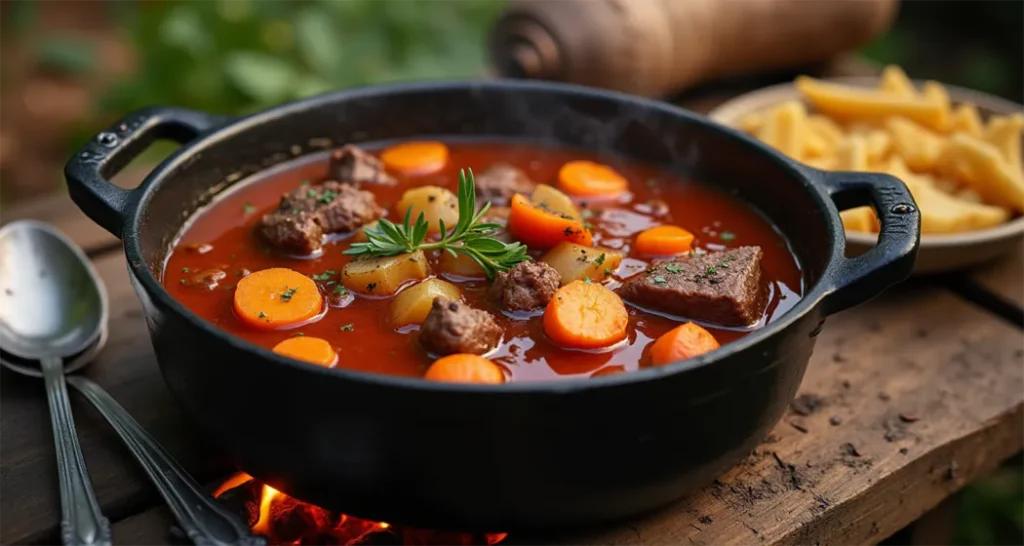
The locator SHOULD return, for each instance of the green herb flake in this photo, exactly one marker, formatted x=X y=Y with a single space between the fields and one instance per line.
x=608 y=272
x=311 y=194
x=340 y=290
x=586 y=214
x=348 y=327
x=248 y=208
x=710 y=270
x=658 y=279
x=299 y=334
x=324 y=276
x=184 y=270
x=586 y=280
x=727 y=236
x=262 y=315
x=674 y=268
x=371 y=286
x=327 y=197
x=599 y=260
x=288 y=293
x=181 y=281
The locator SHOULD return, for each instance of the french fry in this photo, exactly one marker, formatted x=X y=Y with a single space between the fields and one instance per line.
x=858 y=103
x=934 y=92
x=785 y=127
x=965 y=119
x=896 y=83
x=878 y=145
x=940 y=211
x=827 y=129
x=1003 y=132
x=982 y=167
x=918 y=146
x=853 y=156
x=751 y=122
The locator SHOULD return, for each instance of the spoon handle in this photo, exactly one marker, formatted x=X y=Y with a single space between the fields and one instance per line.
x=203 y=519
x=82 y=521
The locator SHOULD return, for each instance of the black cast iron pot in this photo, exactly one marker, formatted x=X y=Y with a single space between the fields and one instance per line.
x=473 y=457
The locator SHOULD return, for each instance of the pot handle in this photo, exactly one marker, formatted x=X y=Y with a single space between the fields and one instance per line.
x=857 y=280
x=89 y=170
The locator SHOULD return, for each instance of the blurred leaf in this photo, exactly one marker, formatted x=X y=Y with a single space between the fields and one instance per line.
x=184 y=30
x=66 y=55
x=307 y=86
x=260 y=76
x=317 y=40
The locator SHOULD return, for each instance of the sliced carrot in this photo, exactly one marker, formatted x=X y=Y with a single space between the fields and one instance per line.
x=585 y=316
x=664 y=241
x=680 y=343
x=539 y=228
x=310 y=349
x=421 y=157
x=465 y=368
x=586 y=178
x=275 y=298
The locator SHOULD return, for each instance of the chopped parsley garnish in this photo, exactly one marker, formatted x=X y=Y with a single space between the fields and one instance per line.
x=181 y=281
x=608 y=272
x=288 y=293
x=599 y=260
x=324 y=276
x=340 y=290
x=727 y=235
x=586 y=280
x=658 y=279
x=262 y=315
x=673 y=268
x=586 y=214
x=327 y=197
x=348 y=327
x=710 y=270
x=184 y=270
x=311 y=193
x=248 y=208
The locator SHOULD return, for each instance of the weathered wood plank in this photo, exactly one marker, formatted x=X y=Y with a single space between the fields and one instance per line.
x=59 y=210
x=907 y=399
x=1004 y=277
x=127 y=369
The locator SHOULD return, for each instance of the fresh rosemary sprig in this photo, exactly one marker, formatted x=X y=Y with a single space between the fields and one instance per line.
x=471 y=235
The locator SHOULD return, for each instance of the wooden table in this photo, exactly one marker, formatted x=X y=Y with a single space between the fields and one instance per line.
x=907 y=398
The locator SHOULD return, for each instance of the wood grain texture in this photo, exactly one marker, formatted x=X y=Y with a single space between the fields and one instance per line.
x=1004 y=277
x=59 y=210
x=30 y=503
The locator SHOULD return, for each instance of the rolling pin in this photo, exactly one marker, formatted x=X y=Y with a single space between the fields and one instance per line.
x=658 y=47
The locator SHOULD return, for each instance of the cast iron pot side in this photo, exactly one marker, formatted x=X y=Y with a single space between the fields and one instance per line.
x=478 y=457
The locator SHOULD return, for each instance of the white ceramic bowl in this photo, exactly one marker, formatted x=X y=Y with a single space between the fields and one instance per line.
x=939 y=252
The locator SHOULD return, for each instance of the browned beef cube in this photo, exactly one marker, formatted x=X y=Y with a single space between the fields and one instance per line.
x=500 y=182
x=353 y=165
x=452 y=327
x=306 y=213
x=718 y=287
x=527 y=286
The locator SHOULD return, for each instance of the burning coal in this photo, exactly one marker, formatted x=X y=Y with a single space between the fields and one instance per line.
x=284 y=520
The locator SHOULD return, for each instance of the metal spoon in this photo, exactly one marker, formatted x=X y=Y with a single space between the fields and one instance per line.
x=52 y=307
x=203 y=519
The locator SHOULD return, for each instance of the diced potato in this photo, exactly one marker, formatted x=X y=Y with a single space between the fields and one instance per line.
x=384 y=276
x=412 y=304
x=555 y=201
x=360 y=236
x=436 y=204
x=460 y=266
x=575 y=262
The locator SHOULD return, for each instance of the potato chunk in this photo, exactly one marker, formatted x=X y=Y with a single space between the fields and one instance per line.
x=412 y=304
x=460 y=266
x=436 y=204
x=360 y=236
x=555 y=201
x=384 y=276
x=576 y=262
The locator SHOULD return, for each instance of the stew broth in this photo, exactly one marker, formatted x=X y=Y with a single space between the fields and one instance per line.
x=361 y=333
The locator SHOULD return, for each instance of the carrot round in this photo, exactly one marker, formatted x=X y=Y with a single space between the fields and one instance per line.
x=275 y=298
x=421 y=157
x=539 y=228
x=680 y=343
x=310 y=349
x=465 y=368
x=585 y=316
x=589 y=179
x=664 y=241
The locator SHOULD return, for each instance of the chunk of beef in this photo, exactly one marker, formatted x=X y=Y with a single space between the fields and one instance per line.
x=206 y=279
x=718 y=287
x=353 y=165
x=452 y=327
x=500 y=182
x=527 y=286
x=305 y=214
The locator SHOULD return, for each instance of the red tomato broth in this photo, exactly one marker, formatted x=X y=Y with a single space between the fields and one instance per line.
x=525 y=352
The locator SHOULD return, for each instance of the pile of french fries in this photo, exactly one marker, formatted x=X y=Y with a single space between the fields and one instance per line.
x=965 y=174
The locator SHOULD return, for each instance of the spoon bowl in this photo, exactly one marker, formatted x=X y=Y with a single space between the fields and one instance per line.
x=51 y=302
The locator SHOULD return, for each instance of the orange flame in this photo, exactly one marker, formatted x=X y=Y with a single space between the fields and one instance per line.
x=262 y=526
